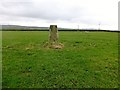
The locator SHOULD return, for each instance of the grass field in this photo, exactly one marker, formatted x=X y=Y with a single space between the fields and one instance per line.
x=88 y=60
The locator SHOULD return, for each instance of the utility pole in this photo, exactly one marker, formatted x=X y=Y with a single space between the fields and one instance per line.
x=99 y=26
x=78 y=27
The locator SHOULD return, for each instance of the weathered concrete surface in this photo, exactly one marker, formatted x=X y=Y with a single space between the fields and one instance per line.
x=53 y=33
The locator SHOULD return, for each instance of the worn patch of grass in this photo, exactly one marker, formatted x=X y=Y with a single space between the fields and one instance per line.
x=87 y=60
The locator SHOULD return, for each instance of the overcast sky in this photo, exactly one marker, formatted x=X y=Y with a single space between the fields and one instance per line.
x=64 y=13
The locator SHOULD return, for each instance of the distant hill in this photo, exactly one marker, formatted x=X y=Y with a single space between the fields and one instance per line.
x=21 y=27
x=35 y=28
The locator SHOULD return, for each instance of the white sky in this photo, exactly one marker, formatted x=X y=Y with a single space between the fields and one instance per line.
x=64 y=13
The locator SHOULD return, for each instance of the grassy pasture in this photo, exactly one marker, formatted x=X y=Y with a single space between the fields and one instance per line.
x=88 y=60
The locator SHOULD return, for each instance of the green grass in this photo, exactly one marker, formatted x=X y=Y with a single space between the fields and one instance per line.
x=0 y=59
x=88 y=60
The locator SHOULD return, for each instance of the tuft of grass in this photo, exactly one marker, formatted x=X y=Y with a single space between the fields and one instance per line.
x=88 y=60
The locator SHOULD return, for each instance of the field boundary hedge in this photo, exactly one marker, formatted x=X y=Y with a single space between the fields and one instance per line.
x=58 y=30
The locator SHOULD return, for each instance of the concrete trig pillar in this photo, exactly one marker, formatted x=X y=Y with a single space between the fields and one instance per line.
x=53 y=33
x=53 y=38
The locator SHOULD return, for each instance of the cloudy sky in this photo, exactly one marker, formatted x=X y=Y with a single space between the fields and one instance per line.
x=93 y=14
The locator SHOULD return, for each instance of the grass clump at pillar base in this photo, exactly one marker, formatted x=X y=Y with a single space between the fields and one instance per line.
x=53 y=45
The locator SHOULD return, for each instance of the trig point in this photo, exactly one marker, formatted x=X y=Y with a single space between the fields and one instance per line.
x=53 y=41
x=53 y=33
